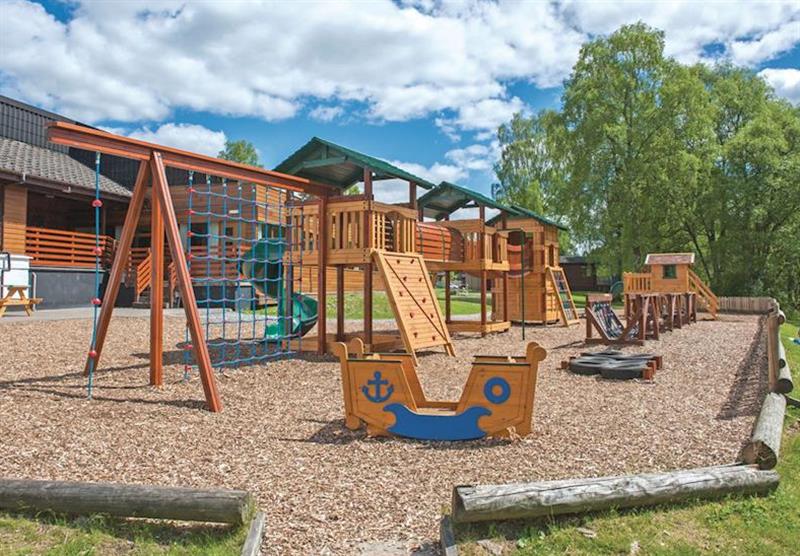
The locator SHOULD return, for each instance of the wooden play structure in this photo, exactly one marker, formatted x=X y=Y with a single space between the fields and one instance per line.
x=670 y=273
x=247 y=237
x=537 y=290
x=642 y=321
x=382 y=390
x=152 y=183
x=467 y=245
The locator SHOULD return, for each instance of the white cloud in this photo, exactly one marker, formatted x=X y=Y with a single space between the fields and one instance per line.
x=133 y=61
x=326 y=113
x=189 y=137
x=785 y=81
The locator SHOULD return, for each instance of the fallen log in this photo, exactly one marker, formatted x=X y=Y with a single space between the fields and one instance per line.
x=571 y=496
x=765 y=444
x=121 y=500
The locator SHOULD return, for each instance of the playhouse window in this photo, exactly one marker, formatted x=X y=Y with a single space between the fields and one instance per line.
x=670 y=271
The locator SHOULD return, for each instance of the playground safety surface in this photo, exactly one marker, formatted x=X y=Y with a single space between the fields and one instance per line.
x=327 y=489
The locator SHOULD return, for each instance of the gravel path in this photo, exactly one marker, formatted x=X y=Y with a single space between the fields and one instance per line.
x=326 y=489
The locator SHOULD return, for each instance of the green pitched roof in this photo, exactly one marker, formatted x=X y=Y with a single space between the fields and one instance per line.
x=332 y=164
x=517 y=211
x=446 y=198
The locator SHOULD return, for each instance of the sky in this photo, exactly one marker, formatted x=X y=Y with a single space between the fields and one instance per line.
x=420 y=83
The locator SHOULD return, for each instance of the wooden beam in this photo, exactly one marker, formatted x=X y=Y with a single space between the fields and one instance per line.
x=322 y=278
x=199 y=347
x=156 y=294
x=368 y=193
x=90 y=139
x=120 y=263
x=340 y=303
x=412 y=195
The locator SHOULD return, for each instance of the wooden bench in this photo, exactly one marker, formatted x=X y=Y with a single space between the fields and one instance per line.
x=21 y=299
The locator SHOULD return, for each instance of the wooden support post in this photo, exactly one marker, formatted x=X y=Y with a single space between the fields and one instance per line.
x=340 y=303
x=120 y=261
x=484 y=280
x=156 y=293
x=322 y=277
x=447 y=308
x=484 y=273
x=368 y=193
x=412 y=195
x=161 y=189
x=505 y=297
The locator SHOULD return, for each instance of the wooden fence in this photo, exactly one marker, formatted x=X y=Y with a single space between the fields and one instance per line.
x=750 y=305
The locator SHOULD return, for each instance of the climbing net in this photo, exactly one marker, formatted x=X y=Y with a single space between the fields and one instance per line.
x=243 y=246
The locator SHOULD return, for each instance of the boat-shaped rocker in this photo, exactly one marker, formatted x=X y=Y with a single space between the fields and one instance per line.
x=382 y=390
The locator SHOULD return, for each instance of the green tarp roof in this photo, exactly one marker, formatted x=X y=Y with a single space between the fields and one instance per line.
x=446 y=198
x=331 y=164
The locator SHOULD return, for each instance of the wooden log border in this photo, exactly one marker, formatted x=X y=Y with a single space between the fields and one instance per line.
x=572 y=496
x=122 y=500
x=252 y=544
x=755 y=475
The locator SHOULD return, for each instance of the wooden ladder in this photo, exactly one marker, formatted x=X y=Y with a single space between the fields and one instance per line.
x=566 y=304
x=701 y=289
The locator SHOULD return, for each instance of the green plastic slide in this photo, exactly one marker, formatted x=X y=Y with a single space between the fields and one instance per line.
x=263 y=266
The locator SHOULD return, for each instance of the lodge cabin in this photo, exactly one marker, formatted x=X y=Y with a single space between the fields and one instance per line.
x=47 y=220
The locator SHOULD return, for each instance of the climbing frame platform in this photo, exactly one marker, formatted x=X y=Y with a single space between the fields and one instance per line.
x=413 y=300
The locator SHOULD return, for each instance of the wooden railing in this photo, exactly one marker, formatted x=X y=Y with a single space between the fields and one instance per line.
x=142 y=275
x=460 y=241
x=48 y=247
x=391 y=228
x=700 y=287
x=637 y=282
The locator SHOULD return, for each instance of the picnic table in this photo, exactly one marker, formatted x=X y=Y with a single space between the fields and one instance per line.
x=21 y=299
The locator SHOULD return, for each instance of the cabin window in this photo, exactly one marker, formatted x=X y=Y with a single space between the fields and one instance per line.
x=670 y=272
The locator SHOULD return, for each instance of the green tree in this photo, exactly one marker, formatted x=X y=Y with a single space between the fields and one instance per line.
x=649 y=155
x=241 y=151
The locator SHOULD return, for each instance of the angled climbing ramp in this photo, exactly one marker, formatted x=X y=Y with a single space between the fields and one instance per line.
x=567 y=311
x=413 y=300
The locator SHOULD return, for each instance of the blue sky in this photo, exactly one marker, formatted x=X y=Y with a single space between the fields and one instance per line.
x=423 y=84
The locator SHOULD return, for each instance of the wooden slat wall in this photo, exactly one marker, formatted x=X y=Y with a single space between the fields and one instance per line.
x=15 y=216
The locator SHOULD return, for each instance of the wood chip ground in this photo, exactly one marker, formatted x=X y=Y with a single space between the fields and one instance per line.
x=328 y=490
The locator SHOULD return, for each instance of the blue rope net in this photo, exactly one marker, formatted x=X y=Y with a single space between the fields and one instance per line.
x=241 y=242
x=98 y=253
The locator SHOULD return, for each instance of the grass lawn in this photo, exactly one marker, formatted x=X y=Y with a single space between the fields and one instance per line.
x=768 y=525
x=580 y=300
x=460 y=305
x=59 y=536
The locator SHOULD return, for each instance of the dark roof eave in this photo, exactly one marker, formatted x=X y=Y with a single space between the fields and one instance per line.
x=24 y=179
